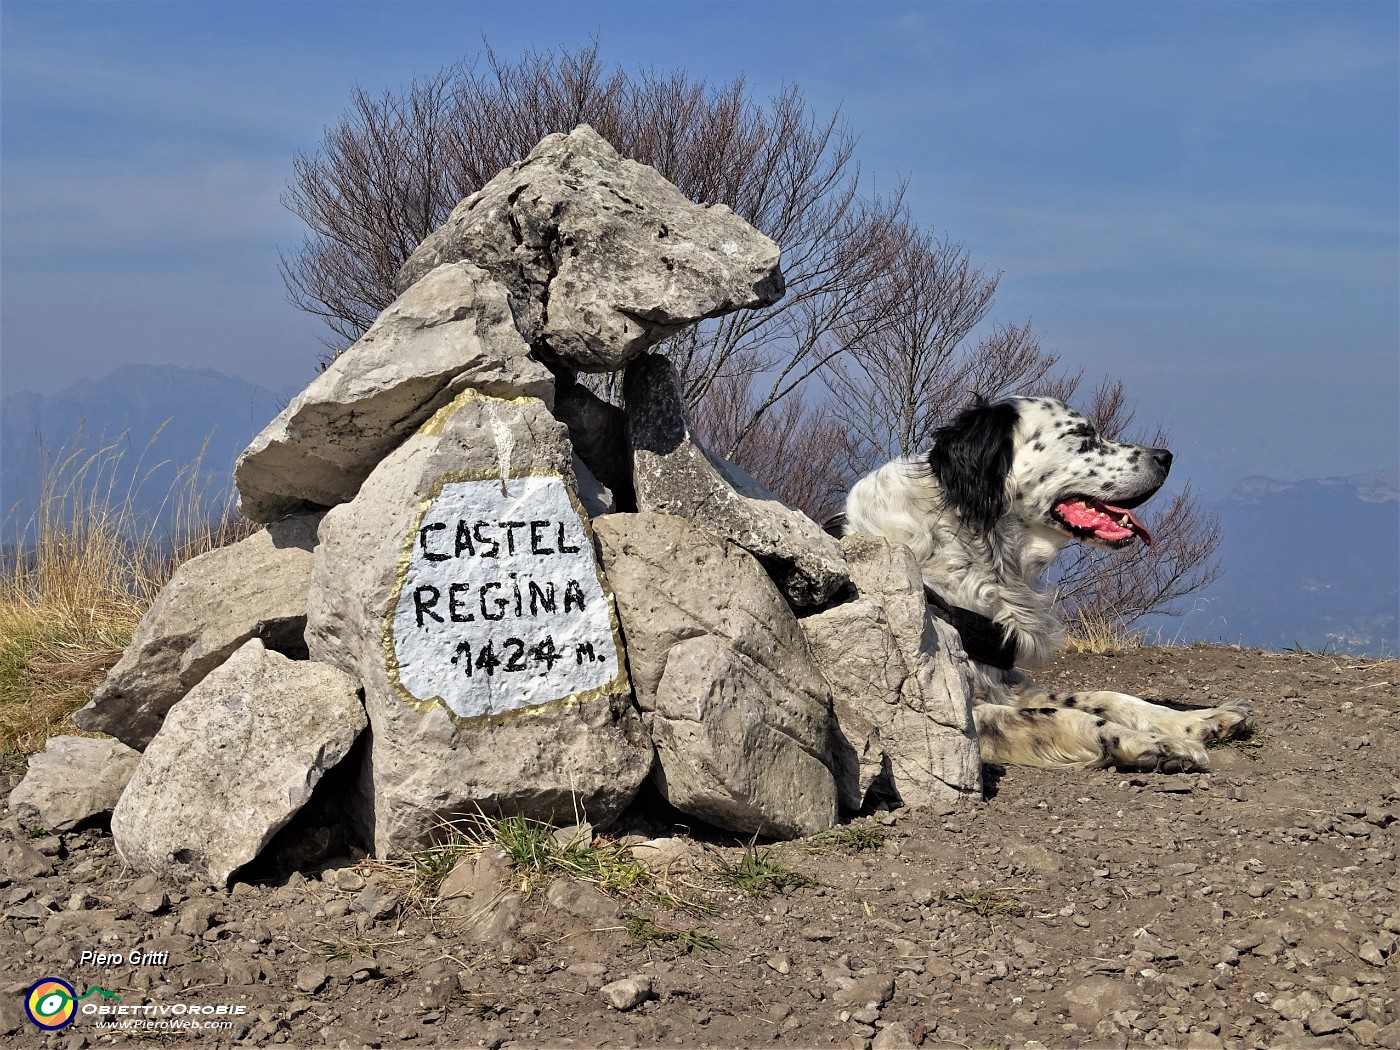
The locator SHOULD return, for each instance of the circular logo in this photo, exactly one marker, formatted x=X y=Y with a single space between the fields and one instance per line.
x=51 y=1004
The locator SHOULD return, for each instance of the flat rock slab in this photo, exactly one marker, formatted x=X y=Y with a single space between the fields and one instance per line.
x=234 y=761
x=673 y=474
x=255 y=588
x=739 y=715
x=901 y=687
x=75 y=779
x=603 y=257
x=460 y=585
x=450 y=331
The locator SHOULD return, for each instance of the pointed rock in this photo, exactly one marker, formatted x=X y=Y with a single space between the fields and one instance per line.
x=900 y=684
x=673 y=474
x=234 y=761
x=739 y=715
x=450 y=331
x=603 y=257
x=255 y=588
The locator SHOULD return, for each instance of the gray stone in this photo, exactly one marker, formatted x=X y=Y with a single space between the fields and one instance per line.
x=255 y=588
x=626 y=993
x=664 y=855
x=893 y=1037
x=450 y=331
x=481 y=876
x=901 y=688
x=452 y=738
x=673 y=474
x=376 y=902
x=477 y=893
x=603 y=257
x=581 y=900
x=74 y=779
x=311 y=978
x=739 y=715
x=18 y=861
x=873 y=992
x=234 y=761
x=1324 y=1022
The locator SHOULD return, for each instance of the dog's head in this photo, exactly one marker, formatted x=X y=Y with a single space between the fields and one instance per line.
x=1041 y=462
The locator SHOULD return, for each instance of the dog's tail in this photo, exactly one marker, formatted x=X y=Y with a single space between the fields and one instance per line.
x=835 y=525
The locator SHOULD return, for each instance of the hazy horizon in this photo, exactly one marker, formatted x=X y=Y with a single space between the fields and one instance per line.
x=1200 y=199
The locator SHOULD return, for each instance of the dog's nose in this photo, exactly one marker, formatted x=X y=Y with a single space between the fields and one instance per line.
x=1163 y=458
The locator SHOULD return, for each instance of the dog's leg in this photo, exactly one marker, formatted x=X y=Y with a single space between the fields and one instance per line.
x=1065 y=738
x=1216 y=723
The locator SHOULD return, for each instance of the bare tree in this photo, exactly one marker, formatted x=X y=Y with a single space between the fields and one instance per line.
x=882 y=334
x=799 y=451
x=391 y=170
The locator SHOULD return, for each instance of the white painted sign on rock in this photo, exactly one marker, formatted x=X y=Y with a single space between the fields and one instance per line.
x=500 y=605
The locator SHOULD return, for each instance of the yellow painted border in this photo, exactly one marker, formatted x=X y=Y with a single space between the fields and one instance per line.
x=619 y=685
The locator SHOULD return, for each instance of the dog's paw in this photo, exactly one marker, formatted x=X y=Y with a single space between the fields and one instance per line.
x=1231 y=719
x=1152 y=753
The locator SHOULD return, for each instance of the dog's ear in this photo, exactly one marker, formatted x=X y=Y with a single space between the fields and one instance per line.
x=971 y=458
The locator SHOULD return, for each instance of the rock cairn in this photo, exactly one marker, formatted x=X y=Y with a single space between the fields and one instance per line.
x=483 y=589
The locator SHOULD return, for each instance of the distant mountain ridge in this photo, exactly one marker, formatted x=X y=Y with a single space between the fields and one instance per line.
x=1311 y=564
x=1375 y=486
x=160 y=417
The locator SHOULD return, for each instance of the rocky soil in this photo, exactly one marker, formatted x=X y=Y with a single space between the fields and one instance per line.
x=1257 y=905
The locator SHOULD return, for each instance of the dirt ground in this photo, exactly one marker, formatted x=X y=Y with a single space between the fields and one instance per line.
x=1257 y=905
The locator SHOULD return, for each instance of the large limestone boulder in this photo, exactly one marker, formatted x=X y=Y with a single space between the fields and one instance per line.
x=255 y=588
x=234 y=761
x=603 y=257
x=450 y=331
x=737 y=710
x=674 y=474
x=75 y=779
x=901 y=687
x=460 y=586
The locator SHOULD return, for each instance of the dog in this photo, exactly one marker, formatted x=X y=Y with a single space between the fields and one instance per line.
x=1004 y=488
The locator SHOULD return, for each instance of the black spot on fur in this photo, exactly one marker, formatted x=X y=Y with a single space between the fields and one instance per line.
x=971 y=458
x=1070 y=701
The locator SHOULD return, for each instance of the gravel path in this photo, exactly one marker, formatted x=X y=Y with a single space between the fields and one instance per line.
x=1257 y=905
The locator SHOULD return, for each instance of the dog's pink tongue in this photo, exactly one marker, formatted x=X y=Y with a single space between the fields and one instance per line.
x=1104 y=520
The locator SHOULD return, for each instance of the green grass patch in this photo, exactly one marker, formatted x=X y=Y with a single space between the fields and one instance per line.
x=761 y=873
x=536 y=858
x=852 y=839
x=647 y=933
x=989 y=902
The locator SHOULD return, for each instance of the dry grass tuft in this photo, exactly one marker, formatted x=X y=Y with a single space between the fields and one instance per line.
x=76 y=579
x=1100 y=634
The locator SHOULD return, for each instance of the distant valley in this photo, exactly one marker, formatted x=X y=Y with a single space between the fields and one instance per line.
x=1311 y=564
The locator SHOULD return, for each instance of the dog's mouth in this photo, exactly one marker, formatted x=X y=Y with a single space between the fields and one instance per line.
x=1112 y=525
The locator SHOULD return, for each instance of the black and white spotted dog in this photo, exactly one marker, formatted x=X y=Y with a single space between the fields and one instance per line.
x=1004 y=487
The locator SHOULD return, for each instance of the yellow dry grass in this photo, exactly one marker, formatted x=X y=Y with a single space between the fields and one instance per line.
x=1099 y=634
x=76 y=579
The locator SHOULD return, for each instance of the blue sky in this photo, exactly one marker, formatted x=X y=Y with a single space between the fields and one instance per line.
x=1200 y=198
